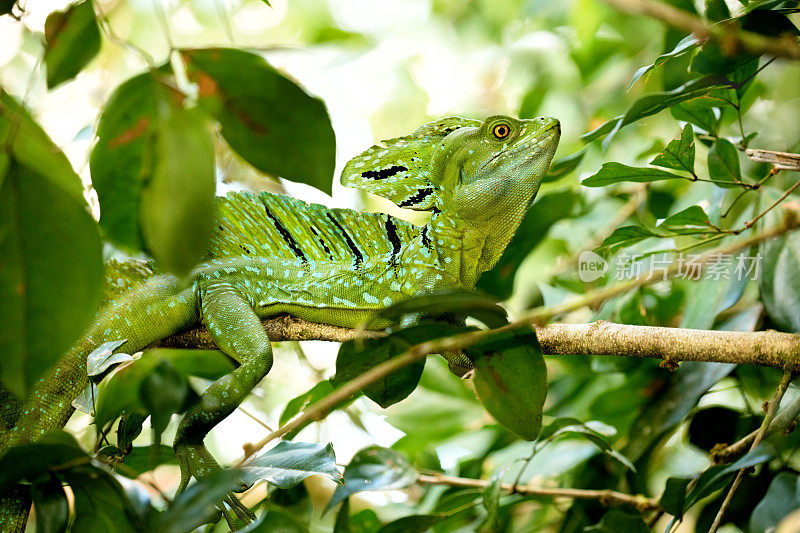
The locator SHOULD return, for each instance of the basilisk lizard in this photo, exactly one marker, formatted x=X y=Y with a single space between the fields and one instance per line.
x=273 y=254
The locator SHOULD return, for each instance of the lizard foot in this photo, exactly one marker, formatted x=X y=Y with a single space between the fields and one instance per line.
x=195 y=461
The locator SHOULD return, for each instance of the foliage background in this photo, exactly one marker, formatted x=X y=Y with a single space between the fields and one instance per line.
x=383 y=68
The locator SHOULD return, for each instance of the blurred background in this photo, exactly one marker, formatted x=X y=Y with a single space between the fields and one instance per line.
x=383 y=68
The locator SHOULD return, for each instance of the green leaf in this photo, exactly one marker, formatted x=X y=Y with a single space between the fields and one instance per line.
x=563 y=166
x=717 y=291
x=685 y=46
x=545 y=212
x=653 y=103
x=289 y=463
x=120 y=392
x=51 y=506
x=177 y=205
x=122 y=159
x=595 y=432
x=616 y=521
x=624 y=237
x=153 y=169
x=100 y=503
x=278 y=521
x=661 y=415
x=41 y=203
x=723 y=163
x=373 y=468
x=33 y=149
x=674 y=496
x=29 y=461
x=266 y=118
x=163 y=393
x=698 y=111
x=781 y=498
x=72 y=39
x=103 y=358
x=716 y=477
x=691 y=220
x=143 y=459
x=613 y=172
x=779 y=281
x=358 y=356
x=412 y=524
x=717 y=10
x=511 y=380
x=534 y=97
x=679 y=153
x=130 y=427
x=197 y=505
x=711 y=59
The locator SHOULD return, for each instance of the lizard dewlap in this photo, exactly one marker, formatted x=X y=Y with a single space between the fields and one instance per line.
x=274 y=254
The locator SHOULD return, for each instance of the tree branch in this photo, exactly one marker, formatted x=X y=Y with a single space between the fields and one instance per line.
x=608 y=498
x=731 y=39
x=762 y=348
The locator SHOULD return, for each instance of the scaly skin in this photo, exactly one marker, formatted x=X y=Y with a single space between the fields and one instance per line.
x=272 y=254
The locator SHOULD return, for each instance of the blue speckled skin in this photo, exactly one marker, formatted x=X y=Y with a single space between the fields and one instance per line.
x=274 y=254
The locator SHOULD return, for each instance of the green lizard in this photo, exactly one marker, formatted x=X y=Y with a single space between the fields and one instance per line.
x=273 y=254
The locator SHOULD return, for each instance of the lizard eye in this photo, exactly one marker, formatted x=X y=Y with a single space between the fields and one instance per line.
x=501 y=131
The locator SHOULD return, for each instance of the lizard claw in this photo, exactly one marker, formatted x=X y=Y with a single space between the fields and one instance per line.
x=195 y=461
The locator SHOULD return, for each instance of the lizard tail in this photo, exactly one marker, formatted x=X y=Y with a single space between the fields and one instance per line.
x=156 y=308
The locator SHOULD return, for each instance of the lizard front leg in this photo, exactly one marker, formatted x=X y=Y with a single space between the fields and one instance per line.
x=237 y=331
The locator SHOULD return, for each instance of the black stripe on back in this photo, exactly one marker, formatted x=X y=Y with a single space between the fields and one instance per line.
x=383 y=173
x=286 y=236
x=322 y=242
x=425 y=240
x=350 y=244
x=411 y=200
x=391 y=233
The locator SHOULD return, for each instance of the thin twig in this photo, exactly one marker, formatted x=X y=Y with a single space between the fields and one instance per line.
x=162 y=19
x=607 y=498
x=731 y=39
x=254 y=418
x=772 y=406
x=750 y=223
x=783 y=421
x=112 y=36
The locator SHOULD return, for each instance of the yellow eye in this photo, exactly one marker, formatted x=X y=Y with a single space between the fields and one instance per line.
x=501 y=131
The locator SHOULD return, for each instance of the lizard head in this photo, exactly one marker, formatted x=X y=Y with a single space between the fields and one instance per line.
x=475 y=170
x=490 y=173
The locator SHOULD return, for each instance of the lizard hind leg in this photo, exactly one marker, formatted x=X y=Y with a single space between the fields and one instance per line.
x=237 y=331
